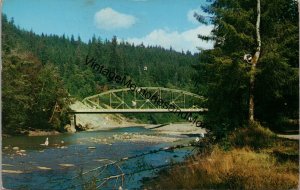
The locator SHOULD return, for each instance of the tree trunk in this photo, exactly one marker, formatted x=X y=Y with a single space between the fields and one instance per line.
x=253 y=65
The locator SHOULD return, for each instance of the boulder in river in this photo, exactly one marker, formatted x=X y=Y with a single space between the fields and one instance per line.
x=66 y=165
x=12 y=171
x=79 y=127
x=16 y=148
x=43 y=168
x=70 y=129
x=127 y=137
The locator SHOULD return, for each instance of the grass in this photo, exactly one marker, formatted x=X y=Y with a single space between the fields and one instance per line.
x=256 y=160
x=234 y=169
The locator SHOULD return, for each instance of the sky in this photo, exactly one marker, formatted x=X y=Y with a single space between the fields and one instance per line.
x=167 y=23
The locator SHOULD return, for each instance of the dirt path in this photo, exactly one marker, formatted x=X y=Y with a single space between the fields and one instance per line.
x=294 y=137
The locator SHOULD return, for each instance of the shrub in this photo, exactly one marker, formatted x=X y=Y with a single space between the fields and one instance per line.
x=255 y=136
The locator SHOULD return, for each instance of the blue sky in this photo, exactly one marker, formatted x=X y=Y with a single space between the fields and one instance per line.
x=154 y=22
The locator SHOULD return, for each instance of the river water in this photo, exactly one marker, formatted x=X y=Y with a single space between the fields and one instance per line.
x=68 y=155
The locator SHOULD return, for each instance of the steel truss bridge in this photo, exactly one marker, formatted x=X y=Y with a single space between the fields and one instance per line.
x=127 y=101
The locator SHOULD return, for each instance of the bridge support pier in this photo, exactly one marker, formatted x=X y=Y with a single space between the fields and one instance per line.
x=75 y=121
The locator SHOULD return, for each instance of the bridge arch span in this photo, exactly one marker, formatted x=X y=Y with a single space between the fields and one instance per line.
x=128 y=99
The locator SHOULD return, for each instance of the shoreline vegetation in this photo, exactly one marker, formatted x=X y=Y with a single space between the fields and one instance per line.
x=252 y=159
x=180 y=130
x=108 y=122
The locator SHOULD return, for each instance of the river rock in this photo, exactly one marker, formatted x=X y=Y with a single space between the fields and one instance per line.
x=8 y=165
x=43 y=168
x=127 y=137
x=66 y=165
x=79 y=127
x=115 y=137
x=42 y=133
x=22 y=151
x=91 y=147
x=18 y=152
x=16 y=148
x=70 y=129
x=12 y=171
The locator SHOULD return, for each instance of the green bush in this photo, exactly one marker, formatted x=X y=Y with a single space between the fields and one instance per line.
x=255 y=136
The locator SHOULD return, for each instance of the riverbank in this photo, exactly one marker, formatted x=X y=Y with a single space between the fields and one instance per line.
x=156 y=133
x=33 y=133
x=161 y=133
x=177 y=129
x=99 y=122
x=252 y=158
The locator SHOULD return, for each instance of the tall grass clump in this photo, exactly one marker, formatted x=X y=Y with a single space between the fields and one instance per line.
x=235 y=169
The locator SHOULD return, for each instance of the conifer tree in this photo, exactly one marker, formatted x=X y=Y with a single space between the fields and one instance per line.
x=224 y=72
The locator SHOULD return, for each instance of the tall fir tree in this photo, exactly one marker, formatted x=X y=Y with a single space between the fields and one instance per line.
x=225 y=74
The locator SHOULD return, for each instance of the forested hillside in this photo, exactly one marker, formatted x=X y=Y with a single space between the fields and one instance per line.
x=41 y=71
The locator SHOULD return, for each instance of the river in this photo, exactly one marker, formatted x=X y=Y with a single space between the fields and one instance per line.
x=53 y=167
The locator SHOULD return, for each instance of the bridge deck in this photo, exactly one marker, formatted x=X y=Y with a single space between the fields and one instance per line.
x=102 y=111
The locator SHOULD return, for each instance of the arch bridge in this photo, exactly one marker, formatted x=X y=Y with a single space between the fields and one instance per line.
x=128 y=101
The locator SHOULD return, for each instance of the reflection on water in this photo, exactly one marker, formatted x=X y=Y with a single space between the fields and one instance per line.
x=41 y=167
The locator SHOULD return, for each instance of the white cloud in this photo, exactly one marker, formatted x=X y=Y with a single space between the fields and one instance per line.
x=109 y=19
x=187 y=40
x=190 y=16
